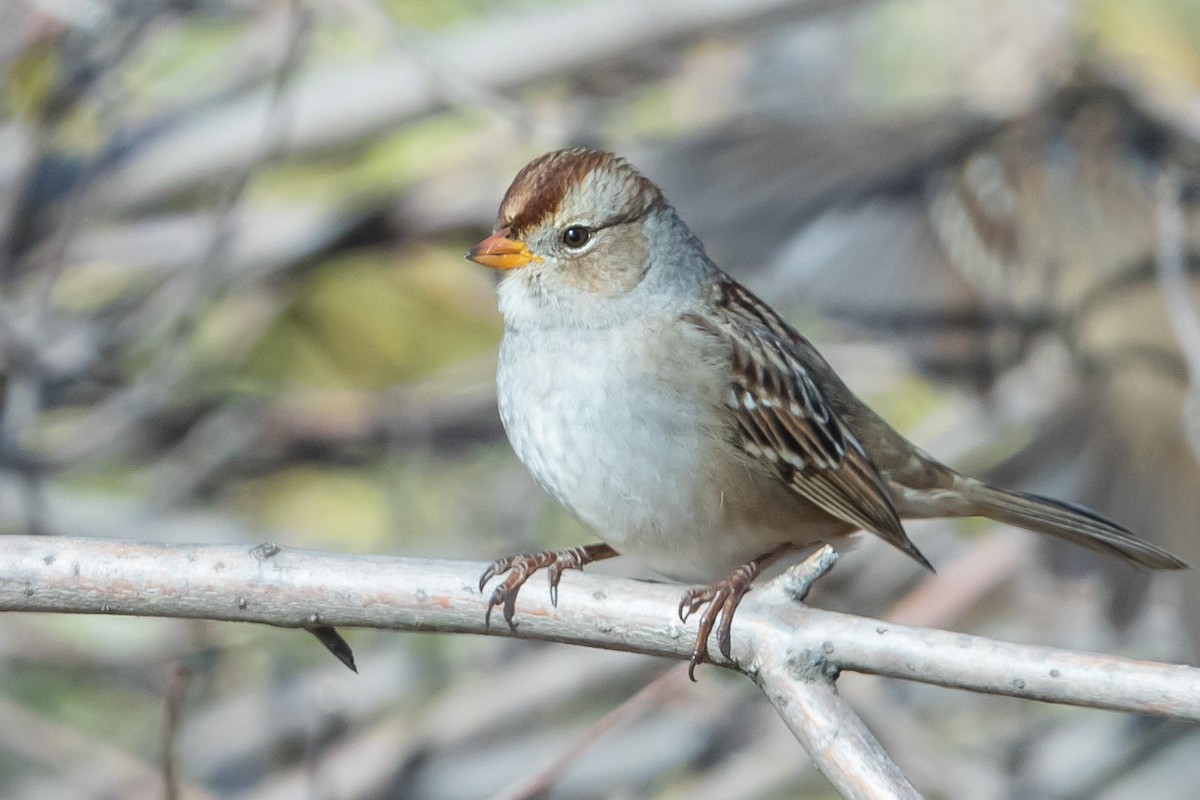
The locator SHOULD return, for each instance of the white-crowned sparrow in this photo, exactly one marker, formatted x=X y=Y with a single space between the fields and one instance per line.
x=681 y=419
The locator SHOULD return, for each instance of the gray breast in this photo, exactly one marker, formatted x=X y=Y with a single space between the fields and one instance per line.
x=606 y=424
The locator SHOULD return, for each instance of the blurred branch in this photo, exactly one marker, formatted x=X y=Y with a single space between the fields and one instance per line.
x=489 y=705
x=339 y=106
x=108 y=770
x=181 y=676
x=793 y=651
x=169 y=318
x=89 y=69
x=1177 y=294
x=652 y=695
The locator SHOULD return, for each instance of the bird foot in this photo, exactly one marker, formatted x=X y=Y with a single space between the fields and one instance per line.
x=521 y=568
x=722 y=599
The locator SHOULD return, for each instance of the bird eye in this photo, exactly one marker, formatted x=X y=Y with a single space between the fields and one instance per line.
x=576 y=236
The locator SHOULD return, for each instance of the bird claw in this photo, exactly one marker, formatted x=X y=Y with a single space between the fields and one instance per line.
x=693 y=599
x=718 y=598
x=553 y=576
x=497 y=567
x=721 y=600
x=521 y=568
x=506 y=597
x=518 y=569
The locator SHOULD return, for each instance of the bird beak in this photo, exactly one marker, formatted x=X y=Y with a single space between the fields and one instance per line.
x=499 y=252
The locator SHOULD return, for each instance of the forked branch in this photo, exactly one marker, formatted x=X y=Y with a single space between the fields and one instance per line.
x=794 y=652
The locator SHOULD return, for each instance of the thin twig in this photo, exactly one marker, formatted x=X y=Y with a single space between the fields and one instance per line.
x=183 y=300
x=959 y=586
x=181 y=676
x=649 y=696
x=111 y=771
x=372 y=19
x=27 y=373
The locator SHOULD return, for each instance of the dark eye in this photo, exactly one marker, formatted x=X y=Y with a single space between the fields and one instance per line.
x=576 y=236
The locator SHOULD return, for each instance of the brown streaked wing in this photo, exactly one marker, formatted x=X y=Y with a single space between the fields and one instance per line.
x=783 y=417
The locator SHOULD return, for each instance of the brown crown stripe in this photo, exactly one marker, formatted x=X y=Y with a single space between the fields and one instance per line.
x=539 y=188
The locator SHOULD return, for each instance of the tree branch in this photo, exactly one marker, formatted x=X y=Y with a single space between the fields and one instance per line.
x=802 y=690
x=793 y=651
x=838 y=741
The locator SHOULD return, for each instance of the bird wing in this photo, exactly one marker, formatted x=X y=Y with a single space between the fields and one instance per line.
x=784 y=418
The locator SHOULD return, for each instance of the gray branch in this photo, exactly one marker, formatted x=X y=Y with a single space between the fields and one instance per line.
x=1177 y=292
x=794 y=652
x=838 y=741
x=802 y=690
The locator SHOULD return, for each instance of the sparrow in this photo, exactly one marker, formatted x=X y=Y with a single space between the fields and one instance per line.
x=683 y=420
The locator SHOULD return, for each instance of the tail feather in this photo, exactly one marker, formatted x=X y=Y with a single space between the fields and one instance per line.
x=1075 y=523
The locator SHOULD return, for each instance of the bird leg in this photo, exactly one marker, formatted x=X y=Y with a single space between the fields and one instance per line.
x=722 y=598
x=521 y=568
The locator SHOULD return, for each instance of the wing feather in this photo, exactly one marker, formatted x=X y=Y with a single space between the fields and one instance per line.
x=784 y=418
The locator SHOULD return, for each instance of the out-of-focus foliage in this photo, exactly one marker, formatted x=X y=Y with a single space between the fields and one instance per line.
x=233 y=308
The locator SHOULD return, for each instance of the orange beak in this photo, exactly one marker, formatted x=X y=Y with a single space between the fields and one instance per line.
x=499 y=252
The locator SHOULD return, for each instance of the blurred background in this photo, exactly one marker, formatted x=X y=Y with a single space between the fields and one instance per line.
x=234 y=308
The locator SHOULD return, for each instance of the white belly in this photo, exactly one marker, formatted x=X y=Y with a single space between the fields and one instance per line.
x=593 y=416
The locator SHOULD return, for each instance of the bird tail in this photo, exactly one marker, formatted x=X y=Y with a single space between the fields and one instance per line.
x=1074 y=523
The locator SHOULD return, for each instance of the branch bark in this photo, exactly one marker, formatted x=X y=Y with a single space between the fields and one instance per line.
x=794 y=652
x=838 y=741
